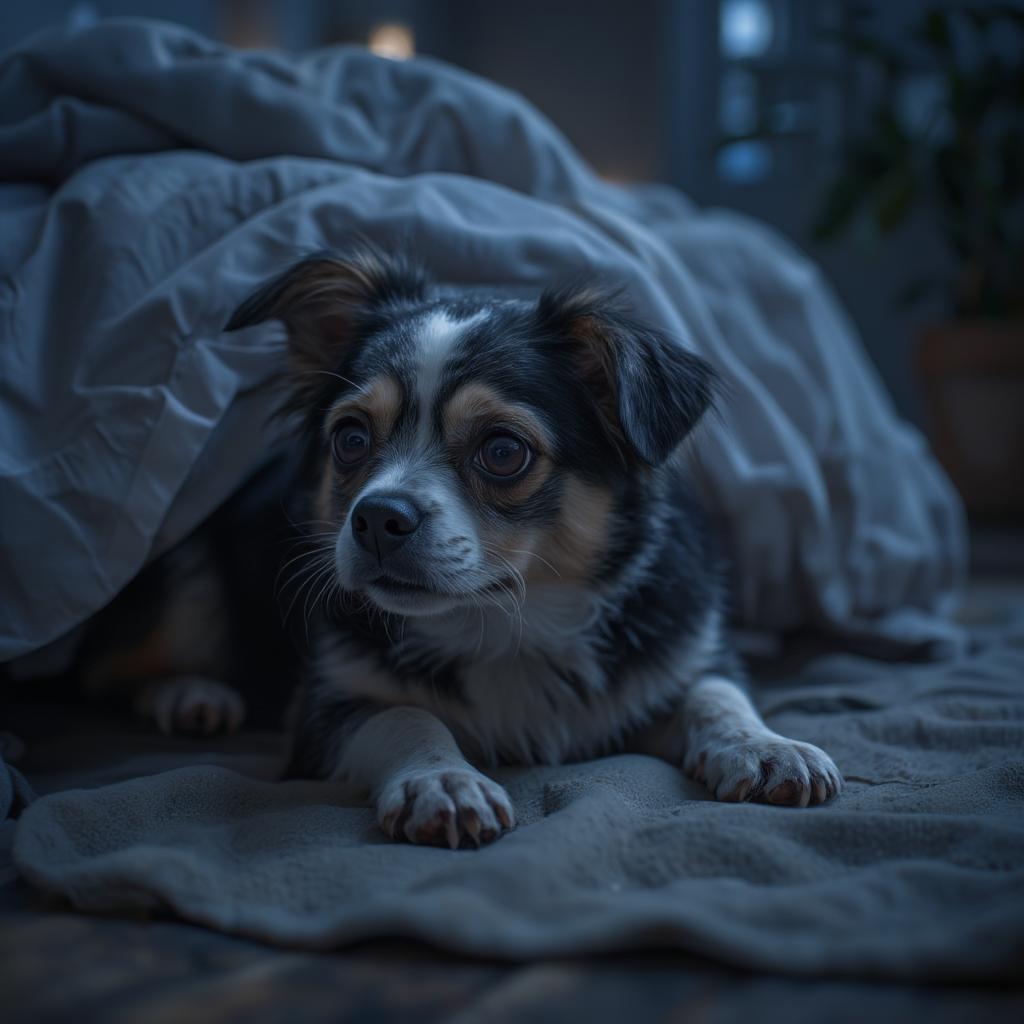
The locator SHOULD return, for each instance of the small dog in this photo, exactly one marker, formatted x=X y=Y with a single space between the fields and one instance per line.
x=514 y=566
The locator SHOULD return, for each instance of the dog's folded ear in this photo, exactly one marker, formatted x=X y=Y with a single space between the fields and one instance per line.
x=327 y=301
x=650 y=391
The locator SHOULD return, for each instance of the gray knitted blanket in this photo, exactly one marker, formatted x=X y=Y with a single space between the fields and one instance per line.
x=917 y=871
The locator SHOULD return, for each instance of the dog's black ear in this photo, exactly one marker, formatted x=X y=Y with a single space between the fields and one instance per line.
x=650 y=390
x=327 y=301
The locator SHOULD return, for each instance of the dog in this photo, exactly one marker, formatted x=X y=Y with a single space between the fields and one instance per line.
x=200 y=640
x=513 y=565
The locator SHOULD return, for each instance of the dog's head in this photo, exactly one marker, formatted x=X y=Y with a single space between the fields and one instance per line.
x=469 y=447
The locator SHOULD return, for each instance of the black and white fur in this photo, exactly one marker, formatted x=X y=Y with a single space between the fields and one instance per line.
x=571 y=610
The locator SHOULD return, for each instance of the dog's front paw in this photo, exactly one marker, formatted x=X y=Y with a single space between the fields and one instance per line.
x=191 y=704
x=764 y=767
x=443 y=807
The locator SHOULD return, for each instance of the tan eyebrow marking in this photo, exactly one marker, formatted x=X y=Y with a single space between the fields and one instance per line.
x=380 y=399
x=476 y=403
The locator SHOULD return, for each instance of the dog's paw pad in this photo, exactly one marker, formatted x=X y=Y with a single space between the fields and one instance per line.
x=195 y=706
x=445 y=807
x=770 y=768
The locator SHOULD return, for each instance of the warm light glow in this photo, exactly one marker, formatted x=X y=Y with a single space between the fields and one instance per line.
x=392 y=40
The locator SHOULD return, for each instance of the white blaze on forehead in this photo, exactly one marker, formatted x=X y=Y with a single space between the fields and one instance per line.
x=436 y=339
x=410 y=467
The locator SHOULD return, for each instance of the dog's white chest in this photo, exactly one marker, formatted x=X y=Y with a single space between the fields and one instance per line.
x=539 y=697
x=530 y=709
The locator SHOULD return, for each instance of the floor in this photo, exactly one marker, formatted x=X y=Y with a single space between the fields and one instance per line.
x=57 y=965
x=157 y=971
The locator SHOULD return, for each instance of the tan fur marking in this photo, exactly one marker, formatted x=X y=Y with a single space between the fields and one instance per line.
x=330 y=288
x=186 y=637
x=596 y=362
x=516 y=547
x=571 y=549
x=324 y=494
x=380 y=401
x=529 y=485
x=129 y=667
x=318 y=308
x=474 y=408
x=579 y=538
x=475 y=405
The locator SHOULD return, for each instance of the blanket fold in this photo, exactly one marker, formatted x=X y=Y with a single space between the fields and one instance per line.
x=916 y=872
x=150 y=179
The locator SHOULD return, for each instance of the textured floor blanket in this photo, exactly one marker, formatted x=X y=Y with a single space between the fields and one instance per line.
x=150 y=179
x=917 y=871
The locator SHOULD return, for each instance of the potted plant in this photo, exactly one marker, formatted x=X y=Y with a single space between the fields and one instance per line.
x=963 y=162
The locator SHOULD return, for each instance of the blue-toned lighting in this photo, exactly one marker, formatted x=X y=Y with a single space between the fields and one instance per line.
x=744 y=163
x=745 y=28
x=737 y=103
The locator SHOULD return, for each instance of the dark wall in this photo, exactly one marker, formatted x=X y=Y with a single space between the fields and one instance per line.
x=590 y=65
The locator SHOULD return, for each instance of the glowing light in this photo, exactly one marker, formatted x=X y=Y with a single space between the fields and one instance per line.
x=744 y=163
x=392 y=40
x=745 y=28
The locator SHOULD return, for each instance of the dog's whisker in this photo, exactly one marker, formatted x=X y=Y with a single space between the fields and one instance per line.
x=307 y=538
x=309 y=586
x=325 y=591
x=514 y=584
x=304 y=584
x=331 y=373
x=319 y=552
x=305 y=604
x=522 y=551
x=302 y=571
x=387 y=632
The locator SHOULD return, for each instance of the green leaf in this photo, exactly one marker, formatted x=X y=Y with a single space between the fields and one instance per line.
x=867 y=47
x=935 y=32
x=1011 y=156
x=1011 y=13
x=966 y=164
x=894 y=198
x=842 y=200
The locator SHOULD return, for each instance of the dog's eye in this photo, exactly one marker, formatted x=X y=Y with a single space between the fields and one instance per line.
x=351 y=442
x=503 y=455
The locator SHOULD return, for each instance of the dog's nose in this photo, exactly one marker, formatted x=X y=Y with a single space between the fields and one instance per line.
x=382 y=523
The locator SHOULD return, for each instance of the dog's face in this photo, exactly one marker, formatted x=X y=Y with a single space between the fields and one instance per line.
x=468 y=448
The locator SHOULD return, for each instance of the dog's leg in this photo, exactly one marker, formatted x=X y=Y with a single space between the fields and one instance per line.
x=729 y=749
x=722 y=742
x=425 y=790
x=191 y=704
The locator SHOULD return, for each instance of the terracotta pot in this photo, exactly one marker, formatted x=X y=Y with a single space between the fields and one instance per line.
x=972 y=376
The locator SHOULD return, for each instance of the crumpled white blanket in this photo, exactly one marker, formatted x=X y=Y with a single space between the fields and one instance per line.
x=150 y=179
